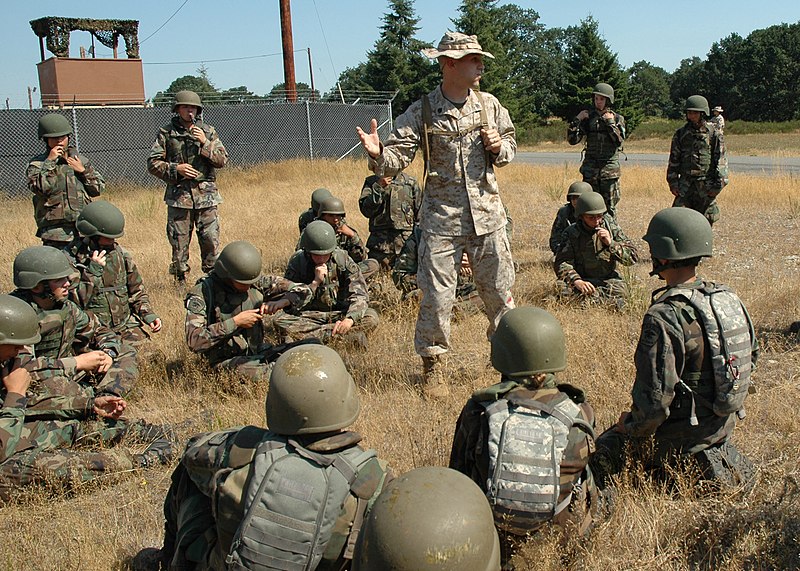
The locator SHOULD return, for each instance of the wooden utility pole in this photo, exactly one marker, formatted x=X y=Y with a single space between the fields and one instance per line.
x=288 y=52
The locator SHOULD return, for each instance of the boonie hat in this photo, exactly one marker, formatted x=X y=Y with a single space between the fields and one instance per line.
x=456 y=45
x=717 y=108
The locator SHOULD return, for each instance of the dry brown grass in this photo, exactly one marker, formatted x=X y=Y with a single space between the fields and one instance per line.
x=103 y=525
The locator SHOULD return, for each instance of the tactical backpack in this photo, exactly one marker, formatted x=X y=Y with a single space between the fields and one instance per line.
x=730 y=335
x=526 y=443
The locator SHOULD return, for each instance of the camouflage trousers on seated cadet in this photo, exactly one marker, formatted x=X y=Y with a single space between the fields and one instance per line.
x=369 y=268
x=258 y=366
x=319 y=324
x=612 y=291
x=179 y=233
x=119 y=380
x=385 y=246
x=694 y=194
x=608 y=188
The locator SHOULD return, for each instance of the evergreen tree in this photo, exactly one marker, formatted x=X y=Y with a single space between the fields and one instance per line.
x=650 y=89
x=199 y=84
x=687 y=80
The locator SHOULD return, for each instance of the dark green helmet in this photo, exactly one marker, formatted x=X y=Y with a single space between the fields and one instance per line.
x=40 y=263
x=429 y=519
x=590 y=203
x=187 y=98
x=310 y=391
x=679 y=234
x=101 y=218
x=331 y=205
x=239 y=261
x=577 y=188
x=605 y=90
x=19 y=324
x=317 y=197
x=528 y=341
x=54 y=125
x=697 y=103
x=319 y=238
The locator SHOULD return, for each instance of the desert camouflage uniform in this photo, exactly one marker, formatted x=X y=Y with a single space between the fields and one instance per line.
x=210 y=308
x=672 y=347
x=565 y=217
x=698 y=168
x=719 y=122
x=461 y=209
x=59 y=195
x=51 y=362
x=344 y=294
x=190 y=202
x=583 y=256
x=392 y=211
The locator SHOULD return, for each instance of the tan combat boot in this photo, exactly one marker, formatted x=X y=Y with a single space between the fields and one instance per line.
x=434 y=383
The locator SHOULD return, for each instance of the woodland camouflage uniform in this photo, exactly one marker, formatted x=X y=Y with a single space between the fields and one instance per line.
x=355 y=248
x=565 y=217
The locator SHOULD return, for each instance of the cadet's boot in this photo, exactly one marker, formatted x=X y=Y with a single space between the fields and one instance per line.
x=434 y=384
x=160 y=451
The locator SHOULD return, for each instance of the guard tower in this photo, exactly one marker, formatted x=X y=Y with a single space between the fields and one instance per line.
x=89 y=81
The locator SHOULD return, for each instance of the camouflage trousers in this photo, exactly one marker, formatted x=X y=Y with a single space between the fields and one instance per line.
x=608 y=188
x=319 y=324
x=258 y=366
x=437 y=277
x=611 y=291
x=133 y=333
x=695 y=194
x=180 y=222
x=369 y=268
x=385 y=245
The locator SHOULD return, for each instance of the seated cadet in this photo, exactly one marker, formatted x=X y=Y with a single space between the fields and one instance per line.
x=110 y=286
x=693 y=362
x=340 y=303
x=40 y=447
x=331 y=210
x=310 y=215
x=429 y=519
x=75 y=352
x=540 y=431
x=565 y=217
x=225 y=308
x=291 y=496
x=586 y=264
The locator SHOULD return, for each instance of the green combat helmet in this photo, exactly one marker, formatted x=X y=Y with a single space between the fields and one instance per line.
x=605 y=90
x=590 y=203
x=679 y=234
x=697 y=103
x=101 y=218
x=331 y=205
x=528 y=341
x=53 y=125
x=577 y=188
x=239 y=261
x=429 y=519
x=318 y=238
x=187 y=98
x=19 y=324
x=310 y=391
x=317 y=197
x=40 y=263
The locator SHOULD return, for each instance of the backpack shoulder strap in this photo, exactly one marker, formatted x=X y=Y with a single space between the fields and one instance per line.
x=484 y=116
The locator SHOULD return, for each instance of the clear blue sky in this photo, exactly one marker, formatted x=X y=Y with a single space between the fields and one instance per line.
x=340 y=32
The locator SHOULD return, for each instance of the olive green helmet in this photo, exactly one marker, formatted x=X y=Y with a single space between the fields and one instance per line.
x=577 y=188
x=605 y=90
x=239 y=261
x=697 y=103
x=590 y=203
x=429 y=519
x=331 y=205
x=528 y=341
x=679 y=234
x=317 y=197
x=310 y=391
x=101 y=218
x=54 y=125
x=19 y=324
x=187 y=98
x=319 y=238
x=40 y=263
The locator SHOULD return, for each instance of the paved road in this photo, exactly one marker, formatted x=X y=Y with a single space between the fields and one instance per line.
x=767 y=166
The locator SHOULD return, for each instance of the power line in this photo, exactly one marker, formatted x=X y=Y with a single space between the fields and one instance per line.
x=165 y=23
x=215 y=60
x=325 y=39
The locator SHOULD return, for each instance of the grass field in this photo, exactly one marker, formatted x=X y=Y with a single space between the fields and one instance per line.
x=757 y=252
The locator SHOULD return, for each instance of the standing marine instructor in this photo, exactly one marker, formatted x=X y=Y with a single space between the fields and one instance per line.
x=463 y=134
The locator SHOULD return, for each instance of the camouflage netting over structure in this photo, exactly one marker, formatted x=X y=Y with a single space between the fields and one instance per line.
x=107 y=32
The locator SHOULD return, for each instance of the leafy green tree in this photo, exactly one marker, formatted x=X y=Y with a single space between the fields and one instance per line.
x=200 y=85
x=687 y=80
x=278 y=92
x=650 y=89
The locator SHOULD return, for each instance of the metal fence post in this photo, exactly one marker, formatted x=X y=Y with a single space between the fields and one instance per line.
x=308 y=122
x=75 y=129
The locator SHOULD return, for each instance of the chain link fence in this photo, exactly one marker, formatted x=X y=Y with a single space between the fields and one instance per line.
x=117 y=139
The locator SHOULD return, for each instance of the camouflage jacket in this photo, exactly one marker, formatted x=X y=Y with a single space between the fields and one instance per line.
x=470 y=456
x=60 y=193
x=344 y=289
x=698 y=153
x=583 y=256
x=673 y=347
x=461 y=195
x=353 y=245
x=306 y=218
x=212 y=304
x=174 y=145
x=565 y=217
x=114 y=292
x=391 y=208
x=604 y=138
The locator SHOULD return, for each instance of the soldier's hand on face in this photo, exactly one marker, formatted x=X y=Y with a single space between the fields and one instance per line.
x=247 y=318
x=584 y=287
x=370 y=141
x=155 y=326
x=346 y=230
x=76 y=164
x=198 y=134
x=187 y=171
x=321 y=273
x=55 y=152
x=17 y=381
x=582 y=115
x=608 y=115
x=99 y=257
x=93 y=361
x=273 y=307
x=109 y=406
x=342 y=326
x=492 y=141
x=604 y=236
